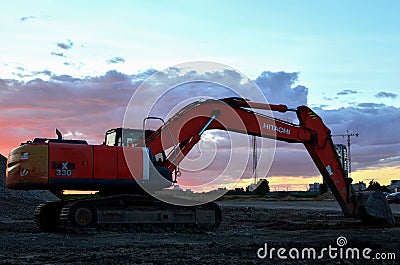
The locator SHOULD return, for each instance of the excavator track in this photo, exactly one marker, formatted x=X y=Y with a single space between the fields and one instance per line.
x=47 y=216
x=128 y=213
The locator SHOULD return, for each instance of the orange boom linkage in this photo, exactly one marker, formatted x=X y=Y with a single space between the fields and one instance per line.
x=57 y=164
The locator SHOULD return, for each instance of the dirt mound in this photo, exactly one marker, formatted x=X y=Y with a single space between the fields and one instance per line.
x=41 y=195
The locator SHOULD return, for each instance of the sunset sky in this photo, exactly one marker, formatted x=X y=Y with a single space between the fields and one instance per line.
x=74 y=65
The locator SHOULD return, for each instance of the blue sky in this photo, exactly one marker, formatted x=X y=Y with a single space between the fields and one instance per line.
x=335 y=45
x=346 y=54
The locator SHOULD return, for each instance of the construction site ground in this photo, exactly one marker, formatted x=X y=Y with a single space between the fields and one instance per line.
x=247 y=226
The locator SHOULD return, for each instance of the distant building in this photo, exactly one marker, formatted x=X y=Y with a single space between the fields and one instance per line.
x=177 y=188
x=360 y=186
x=314 y=188
x=236 y=191
x=394 y=185
x=341 y=150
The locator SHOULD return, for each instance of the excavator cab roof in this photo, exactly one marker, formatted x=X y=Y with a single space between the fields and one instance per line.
x=126 y=136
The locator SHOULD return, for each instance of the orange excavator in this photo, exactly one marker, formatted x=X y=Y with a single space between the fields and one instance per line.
x=130 y=160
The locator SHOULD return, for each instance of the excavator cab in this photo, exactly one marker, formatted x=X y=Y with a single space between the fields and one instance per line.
x=126 y=136
x=131 y=138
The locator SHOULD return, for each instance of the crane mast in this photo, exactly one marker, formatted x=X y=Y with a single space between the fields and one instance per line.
x=348 y=135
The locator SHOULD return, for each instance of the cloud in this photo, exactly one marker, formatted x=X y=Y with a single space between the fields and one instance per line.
x=60 y=54
x=90 y=105
x=65 y=78
x=331 y=99
x=25 y=73
x=378 y=144
x=279 y=88
x=346 y=92
x=44 y=72
x=115 y=60
x=24 y=19
x=370 y=105
x=65 y=46
x=386 y=95
x=297 y=157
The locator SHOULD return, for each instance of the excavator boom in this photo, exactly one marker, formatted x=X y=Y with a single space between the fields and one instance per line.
x=185 y=128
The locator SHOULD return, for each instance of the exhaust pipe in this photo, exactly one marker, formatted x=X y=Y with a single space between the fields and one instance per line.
x=59 y=135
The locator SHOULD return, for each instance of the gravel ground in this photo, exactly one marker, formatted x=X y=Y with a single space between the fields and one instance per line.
x=243 y=232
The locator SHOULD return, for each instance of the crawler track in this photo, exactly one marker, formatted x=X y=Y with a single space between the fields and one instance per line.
x=126 y=213
x=47 y=216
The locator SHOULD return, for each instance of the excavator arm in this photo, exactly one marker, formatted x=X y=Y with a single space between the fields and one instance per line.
x=183 y=131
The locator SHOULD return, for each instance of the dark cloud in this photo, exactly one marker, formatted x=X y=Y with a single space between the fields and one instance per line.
x=377 y=125
x=115 y=60
x=65 y=78
x=370 y=105
x=346 y=92
x=60 y=54
x=65 y=46
x=44 y=72
x=90 y=105
x=23 y=19
x=386 y=95
x=279 y=88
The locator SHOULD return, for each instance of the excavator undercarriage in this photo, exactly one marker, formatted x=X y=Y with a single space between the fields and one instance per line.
x=126 y=213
